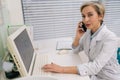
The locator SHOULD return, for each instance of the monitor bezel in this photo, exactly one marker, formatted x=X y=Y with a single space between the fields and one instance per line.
x=15 y=53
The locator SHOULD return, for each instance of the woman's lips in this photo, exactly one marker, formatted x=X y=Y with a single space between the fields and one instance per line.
x=87 y=25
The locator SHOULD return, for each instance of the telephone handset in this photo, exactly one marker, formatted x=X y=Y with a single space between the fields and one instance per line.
x=84 y=27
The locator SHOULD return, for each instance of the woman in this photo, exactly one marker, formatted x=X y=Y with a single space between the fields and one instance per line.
x=99 y=44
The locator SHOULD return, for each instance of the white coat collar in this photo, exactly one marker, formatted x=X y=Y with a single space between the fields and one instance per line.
x=100 y=35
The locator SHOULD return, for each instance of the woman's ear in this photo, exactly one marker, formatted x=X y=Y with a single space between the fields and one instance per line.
x=101 y=17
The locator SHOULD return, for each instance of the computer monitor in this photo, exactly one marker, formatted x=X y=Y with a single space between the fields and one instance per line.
x=22 y=51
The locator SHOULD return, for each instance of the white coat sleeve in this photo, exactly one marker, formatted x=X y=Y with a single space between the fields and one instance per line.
x=79 y=47
x=91 y=68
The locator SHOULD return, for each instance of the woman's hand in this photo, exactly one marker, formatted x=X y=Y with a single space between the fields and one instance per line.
x=60 y=69
x=79 y=31
x=79 y=34
x=53 y=68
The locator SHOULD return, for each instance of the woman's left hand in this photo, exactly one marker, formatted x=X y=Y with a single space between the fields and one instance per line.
x=53 y=68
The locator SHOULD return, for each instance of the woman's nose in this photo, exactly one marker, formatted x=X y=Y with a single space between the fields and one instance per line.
x=86 y=19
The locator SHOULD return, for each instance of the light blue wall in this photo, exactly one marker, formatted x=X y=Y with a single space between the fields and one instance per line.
x=1 y=45
x=3 y=30
x=1 y=51
x=11 y=14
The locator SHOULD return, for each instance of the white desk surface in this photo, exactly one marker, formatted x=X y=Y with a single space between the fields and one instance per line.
x=69 y=59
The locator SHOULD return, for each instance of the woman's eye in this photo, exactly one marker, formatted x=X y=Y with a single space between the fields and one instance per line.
x=83 y=16
x=89 y=15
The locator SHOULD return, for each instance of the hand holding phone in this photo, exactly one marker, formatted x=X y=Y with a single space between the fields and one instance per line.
x=81 y=29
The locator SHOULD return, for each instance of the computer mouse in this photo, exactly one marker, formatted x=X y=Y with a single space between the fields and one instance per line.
x=61 y=52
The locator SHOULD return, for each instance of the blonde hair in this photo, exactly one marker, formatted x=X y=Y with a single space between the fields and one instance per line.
x=98 y=6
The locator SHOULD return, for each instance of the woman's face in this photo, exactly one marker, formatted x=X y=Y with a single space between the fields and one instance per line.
x=91 y=18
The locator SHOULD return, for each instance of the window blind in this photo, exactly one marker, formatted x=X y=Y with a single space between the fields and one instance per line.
x=112 y=16
x=52 y=18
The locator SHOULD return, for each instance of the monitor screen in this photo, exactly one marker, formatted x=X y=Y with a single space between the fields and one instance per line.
x=25 y=48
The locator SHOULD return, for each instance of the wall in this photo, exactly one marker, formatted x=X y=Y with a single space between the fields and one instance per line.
x=10 y=14
x=2 y=33
x=15 y=12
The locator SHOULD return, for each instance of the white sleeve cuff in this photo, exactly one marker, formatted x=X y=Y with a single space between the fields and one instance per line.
x=82 y=70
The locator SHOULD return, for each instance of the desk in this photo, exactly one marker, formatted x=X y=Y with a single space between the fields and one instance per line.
x=49 y=47
x=69 y=59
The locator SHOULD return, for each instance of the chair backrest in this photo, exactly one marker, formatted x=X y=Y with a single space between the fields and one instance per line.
x=118 y=55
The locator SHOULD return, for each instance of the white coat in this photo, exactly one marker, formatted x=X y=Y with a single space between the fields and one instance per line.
x=102 y=54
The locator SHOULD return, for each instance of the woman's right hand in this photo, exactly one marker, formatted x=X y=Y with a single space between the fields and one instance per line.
x=79 y=34
x=79 y=31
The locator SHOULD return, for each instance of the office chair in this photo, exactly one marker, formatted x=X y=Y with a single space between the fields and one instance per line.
x=118 y=55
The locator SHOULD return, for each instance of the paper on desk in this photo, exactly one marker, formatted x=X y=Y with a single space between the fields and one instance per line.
x=67 y=45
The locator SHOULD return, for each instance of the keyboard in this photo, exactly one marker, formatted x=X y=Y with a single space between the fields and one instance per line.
x=64 y=45
x=40 y=61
